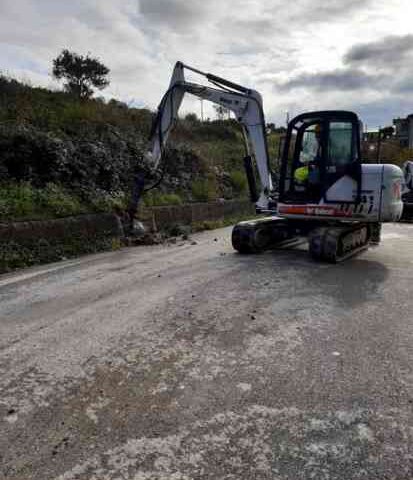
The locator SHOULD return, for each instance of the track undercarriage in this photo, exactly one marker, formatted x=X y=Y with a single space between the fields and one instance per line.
x=332 y=243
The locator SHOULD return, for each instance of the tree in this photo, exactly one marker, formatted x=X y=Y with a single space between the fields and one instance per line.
x=81 y=73
x=191 y=117
x=271 y=127
x=221 y=112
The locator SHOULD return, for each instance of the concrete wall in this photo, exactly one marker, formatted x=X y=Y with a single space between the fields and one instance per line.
x=28 y=243
x=158 y=217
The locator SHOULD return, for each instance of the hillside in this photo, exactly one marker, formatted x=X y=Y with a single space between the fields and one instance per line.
x=61 y=156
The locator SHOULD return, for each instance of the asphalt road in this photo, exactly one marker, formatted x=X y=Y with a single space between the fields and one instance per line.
x=190 y=361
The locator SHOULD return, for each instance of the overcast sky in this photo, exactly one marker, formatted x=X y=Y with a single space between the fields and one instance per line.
x=302 y=55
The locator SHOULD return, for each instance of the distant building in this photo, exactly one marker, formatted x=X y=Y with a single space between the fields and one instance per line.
x=404 y=131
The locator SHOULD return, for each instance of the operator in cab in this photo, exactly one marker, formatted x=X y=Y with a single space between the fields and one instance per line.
x=310 y=157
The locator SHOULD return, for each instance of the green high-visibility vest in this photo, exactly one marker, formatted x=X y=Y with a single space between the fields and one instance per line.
x=301 y=174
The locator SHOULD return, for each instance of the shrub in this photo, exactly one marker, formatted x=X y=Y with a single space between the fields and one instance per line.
x=17 y=201
x=59 y=203
x=102 y=159
x=153 y=199
x=204 y=190
x=238 y=182
x=23 y=201
x=102 y=201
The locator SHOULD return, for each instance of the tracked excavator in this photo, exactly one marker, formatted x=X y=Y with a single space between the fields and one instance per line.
x=324 y=194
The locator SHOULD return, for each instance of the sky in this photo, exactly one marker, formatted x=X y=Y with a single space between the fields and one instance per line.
x=303 y=55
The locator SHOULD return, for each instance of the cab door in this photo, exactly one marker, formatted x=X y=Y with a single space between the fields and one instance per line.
x=341 y=169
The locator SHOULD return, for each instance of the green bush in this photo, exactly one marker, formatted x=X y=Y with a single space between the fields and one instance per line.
x=23 y=201
x=57 y=202
x=102 y=201
x=238 y=182
x=17 y=201
x=154 y=199
x=204 y=190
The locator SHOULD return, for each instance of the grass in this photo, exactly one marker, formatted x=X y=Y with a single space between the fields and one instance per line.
x=239 y=182
x=205 y=189
x=59 y=111
x=23 y=201
x=157 y=199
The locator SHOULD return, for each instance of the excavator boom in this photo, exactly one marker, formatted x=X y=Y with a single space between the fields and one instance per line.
x=246 y=104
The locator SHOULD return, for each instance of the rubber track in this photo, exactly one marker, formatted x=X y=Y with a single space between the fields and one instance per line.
x=326 y=243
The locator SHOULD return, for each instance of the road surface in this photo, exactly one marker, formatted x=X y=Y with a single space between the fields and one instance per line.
x=189 y=361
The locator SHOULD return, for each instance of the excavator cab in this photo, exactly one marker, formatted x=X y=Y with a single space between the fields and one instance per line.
x=320 y=149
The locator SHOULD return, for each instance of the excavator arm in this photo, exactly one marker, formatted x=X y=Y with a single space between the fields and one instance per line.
x=245 y=103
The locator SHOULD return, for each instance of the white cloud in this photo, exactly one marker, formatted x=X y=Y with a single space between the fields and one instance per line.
x=260 y=44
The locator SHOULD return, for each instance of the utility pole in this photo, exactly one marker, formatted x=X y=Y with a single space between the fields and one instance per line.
x=202 y=110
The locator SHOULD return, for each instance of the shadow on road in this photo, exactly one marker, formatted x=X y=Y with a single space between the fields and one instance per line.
x=350 y=283
x=357 y=281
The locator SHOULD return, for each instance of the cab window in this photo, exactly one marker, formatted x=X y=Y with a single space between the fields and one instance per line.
x=340 y=144
x=310 y=145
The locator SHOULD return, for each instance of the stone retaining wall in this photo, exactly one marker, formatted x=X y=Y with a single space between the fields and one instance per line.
x=28 y=243
x=160 y=217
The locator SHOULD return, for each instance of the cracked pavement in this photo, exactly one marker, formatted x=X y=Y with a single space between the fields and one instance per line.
x=189 y=361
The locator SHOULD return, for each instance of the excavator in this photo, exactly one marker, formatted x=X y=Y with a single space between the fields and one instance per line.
x=323 y=194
